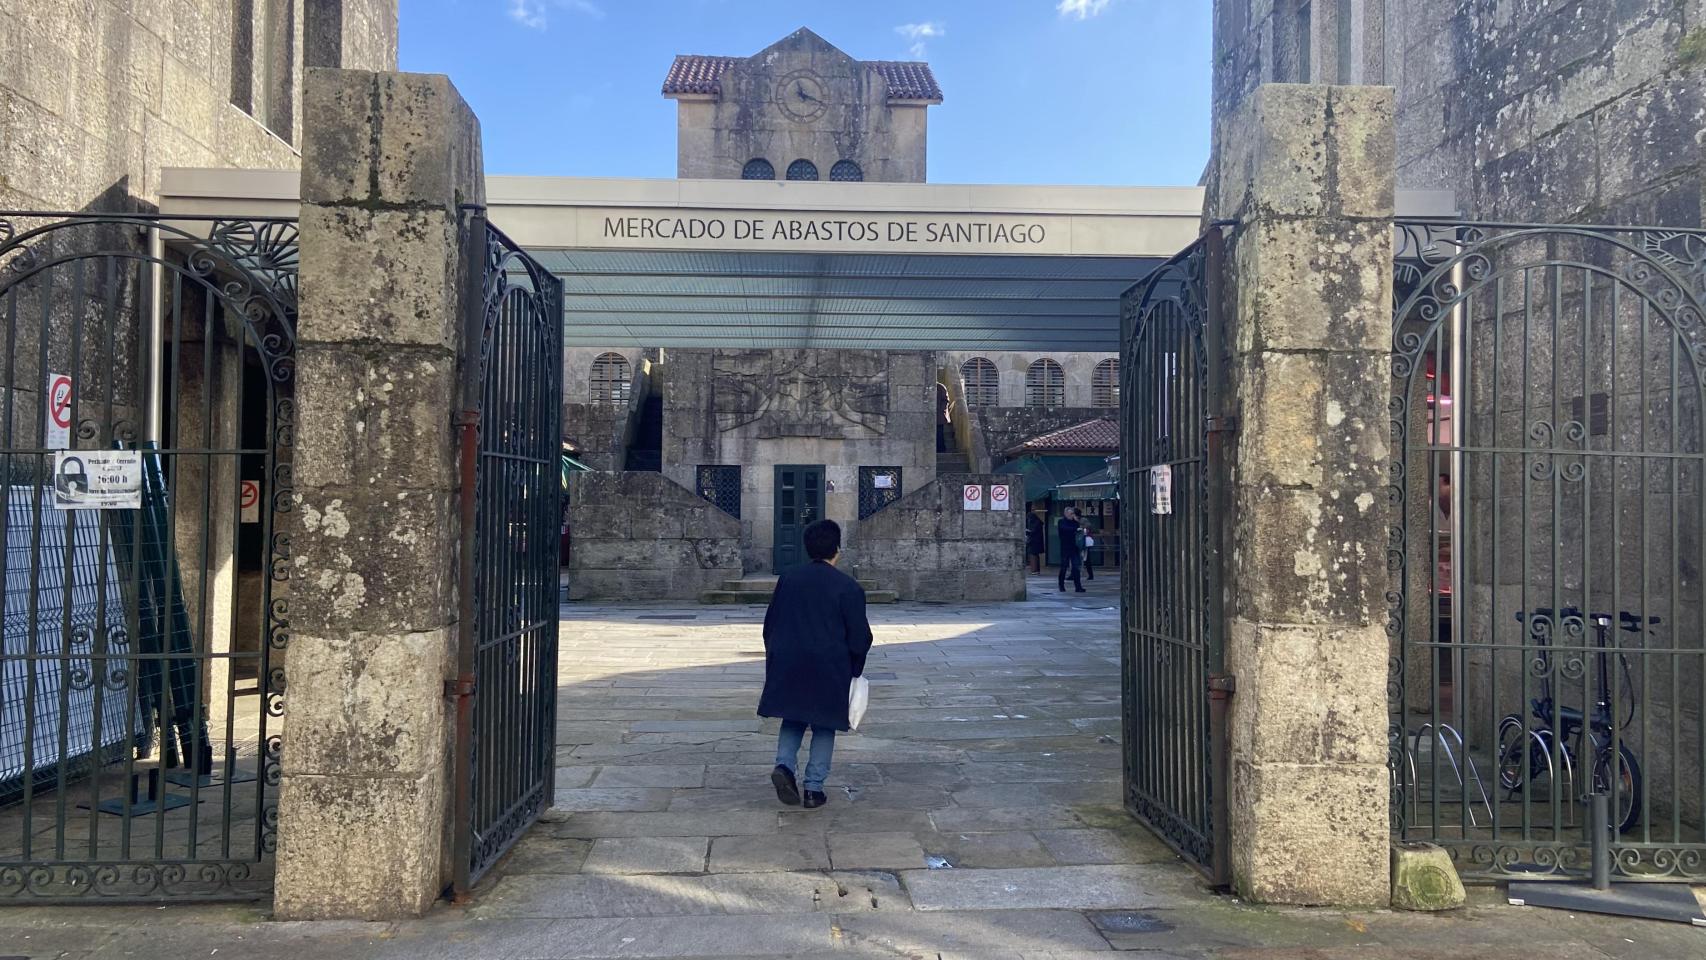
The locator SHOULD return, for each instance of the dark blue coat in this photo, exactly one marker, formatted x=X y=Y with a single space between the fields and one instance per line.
x=815 y=641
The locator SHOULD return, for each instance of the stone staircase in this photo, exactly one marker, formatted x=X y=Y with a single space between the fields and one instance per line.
x=759 y=590
x=952 y=463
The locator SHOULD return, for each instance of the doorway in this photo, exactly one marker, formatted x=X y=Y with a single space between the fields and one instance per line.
x=799 y=503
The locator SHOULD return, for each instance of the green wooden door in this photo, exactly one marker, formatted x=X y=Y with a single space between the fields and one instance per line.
x=798 y=504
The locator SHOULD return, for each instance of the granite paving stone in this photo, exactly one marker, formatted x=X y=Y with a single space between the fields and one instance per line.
x=647 y=855
x=883 y=851
x=776 y=852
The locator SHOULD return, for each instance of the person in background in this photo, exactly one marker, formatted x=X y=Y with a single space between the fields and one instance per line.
x=944 y=418
x=1088 y=537
x=816 y=638
x=1036 y=541
x=1070 y=556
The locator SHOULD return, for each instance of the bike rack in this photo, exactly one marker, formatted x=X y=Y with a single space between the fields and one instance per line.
x=1546 y=751
x=1439 y=733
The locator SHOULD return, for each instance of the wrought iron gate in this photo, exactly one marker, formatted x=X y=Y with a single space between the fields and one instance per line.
x=1174 y=694
x=506 y=718
x=146 y=417
x=1548 y=547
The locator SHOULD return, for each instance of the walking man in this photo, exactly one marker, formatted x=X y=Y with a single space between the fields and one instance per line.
x=1070 y=556
x=815 y=641
x=1036 y=541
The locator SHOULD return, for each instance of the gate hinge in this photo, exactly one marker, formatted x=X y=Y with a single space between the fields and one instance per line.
x=466 y=418
x=1223 y=683
x=1223 y=424
x=458 y=688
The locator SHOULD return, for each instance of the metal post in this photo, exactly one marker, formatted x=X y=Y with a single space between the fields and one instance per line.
x=154 y=415
x=1599 y=835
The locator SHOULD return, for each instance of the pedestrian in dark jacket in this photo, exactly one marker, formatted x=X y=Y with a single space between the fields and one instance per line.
x=1069 y=552
x=1036 y=541
x=815 y=641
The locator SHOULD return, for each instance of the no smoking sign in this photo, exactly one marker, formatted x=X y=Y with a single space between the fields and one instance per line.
x=57 y=417
x=973 y=496
x=998 y=496
x=249 y=498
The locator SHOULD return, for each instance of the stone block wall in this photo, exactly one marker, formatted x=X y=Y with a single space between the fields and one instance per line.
x=842 y=409
x=96 y=97
x=641 y=536
x=1585 y=111
x=927 y=546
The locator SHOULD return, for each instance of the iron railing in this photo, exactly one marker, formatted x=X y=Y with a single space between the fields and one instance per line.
x=1548 y=545
x=1172 y=636
x=141 y=673
x=506 y=691
x=878 y=487
x=720 y=484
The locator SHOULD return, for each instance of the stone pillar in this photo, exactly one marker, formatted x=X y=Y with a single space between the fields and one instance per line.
x=387 y=161
x=1308 y=172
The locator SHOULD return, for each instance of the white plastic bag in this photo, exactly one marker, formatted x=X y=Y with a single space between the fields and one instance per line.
x=858 y=698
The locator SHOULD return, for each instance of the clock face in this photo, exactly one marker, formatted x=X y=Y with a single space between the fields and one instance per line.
x=802 y=96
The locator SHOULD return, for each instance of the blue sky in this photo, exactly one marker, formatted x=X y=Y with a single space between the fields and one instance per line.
x=1036 y=91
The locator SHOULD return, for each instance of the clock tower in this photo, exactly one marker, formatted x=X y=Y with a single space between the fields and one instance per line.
x=801 y=110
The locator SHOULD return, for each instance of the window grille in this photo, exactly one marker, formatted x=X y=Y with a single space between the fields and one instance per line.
x=878 y=487
x=610 y=380
x=982 y=381
x=759 y=169
x=721 y=486
x=1045 y=384
x=1105 y=384
x=846 y=171
x=802 y=170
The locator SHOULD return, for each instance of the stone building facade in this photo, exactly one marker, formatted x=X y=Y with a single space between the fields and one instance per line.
x=1585 y=111
x=801 y=110
x=97 y=97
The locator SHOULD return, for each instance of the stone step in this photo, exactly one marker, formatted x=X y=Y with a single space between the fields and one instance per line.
x=763 y=596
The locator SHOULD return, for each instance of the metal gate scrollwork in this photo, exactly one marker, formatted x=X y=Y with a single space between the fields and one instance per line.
x=1548 y=483
x=1172 y=644
x=142 y=657
x=511 y=424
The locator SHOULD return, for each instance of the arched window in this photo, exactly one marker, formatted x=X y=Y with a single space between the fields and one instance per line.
x=759 y=169
x=610 y=383
x=846 y=171
x=1045 y=384
x=1105 y=384
x=802 y=170
x=983 y=383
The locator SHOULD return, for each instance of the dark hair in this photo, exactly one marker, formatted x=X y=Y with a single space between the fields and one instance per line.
x=823 y=540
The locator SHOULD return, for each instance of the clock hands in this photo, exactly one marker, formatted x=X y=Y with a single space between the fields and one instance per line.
x=801 y=89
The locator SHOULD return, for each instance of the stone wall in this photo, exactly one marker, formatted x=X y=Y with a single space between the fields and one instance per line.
x=641 y=536
x=1586 y=110
x=842 y=409
x=1078 y=369
x=97 y=96
x=717 y=135
x=927 y=546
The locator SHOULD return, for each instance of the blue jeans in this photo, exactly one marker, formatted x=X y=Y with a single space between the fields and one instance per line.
x=823 y=748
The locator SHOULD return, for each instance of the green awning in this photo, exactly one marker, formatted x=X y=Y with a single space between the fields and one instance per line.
x=1095 y=485
x=571 y=465
x=1043 y=475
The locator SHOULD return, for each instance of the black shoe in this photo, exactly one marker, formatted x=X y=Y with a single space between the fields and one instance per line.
x=786 y=791
x=1081 y=590
x=815 y=799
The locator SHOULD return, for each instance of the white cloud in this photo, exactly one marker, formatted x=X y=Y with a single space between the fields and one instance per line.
x=532 y=13
x=1082 y=9
x=918 y=33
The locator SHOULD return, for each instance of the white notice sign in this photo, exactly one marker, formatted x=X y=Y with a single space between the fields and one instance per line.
x=249 y=498
x=883 y=481
x=57 y=412
x=974 y=496
x=1161 y=488
x=998 y=494
x=97 y=480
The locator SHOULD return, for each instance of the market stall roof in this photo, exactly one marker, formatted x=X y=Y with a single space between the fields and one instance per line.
x=1101 y=435
x=1042 y=475
x=1095 y=485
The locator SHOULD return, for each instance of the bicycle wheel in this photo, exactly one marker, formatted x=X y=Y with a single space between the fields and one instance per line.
x=1628 y=813
x=1514 y=759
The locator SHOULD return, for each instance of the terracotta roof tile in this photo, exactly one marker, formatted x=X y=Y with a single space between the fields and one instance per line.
x=693 y=73
x=909 y=80
x=1091 y=436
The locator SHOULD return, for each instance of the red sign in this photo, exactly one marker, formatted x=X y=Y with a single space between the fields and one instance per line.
x=249 y=498
x=57 y=428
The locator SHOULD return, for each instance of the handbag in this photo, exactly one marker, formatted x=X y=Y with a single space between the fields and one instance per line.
x=858 y=698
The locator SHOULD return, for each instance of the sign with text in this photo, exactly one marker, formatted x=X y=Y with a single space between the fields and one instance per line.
x=852 y=231
x=97 y=480
x=56 y=413
x=998 y=497
x=973 y=496
x=249 y=499
x=1161 y=488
